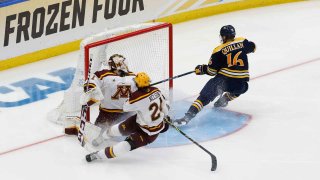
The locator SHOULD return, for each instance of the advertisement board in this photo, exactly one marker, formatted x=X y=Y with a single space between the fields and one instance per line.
x=36 y=29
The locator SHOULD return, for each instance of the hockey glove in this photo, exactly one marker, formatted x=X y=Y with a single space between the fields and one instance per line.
x=92 y=96
x=166 y=125
x=201 y=69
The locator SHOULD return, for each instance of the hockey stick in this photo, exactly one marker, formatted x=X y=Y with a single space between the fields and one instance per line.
x=174 y=77
x=84 y=111
x=213 y=157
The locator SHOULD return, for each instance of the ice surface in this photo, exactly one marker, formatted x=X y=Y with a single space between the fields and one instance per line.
x=280 y=142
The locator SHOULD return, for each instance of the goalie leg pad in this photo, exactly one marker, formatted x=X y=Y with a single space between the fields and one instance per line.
x=71 y=131
x=71 y=127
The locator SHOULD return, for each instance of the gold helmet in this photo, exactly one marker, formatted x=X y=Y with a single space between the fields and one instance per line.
x=142 y=79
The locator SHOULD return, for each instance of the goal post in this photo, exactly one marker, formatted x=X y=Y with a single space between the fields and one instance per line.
x=157 y=26
x=147 y=48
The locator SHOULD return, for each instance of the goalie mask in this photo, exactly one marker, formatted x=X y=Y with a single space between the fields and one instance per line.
x=118 y=62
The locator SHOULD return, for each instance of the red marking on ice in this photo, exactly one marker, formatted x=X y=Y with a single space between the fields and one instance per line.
x=286 y=68
x=250 y=116
x=32 y=144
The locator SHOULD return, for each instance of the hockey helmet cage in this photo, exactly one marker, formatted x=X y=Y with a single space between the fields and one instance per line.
x=142 y=79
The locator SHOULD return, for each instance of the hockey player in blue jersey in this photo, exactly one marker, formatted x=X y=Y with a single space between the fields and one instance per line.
x=229 y=66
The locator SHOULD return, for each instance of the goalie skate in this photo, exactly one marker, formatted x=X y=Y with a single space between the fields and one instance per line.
x=92 y=157
x=101 y=138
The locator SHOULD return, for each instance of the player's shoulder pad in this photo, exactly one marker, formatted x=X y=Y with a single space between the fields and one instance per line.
x=141 y=94
x=255 y=47
x=239 y=39
x=103 y=73
x=250 y=44
x=218 y=48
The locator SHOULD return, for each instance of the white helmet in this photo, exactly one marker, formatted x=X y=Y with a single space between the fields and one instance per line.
x=118 y=62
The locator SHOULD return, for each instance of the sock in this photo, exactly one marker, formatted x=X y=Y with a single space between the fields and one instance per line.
x=195 y=108
x=114 y=151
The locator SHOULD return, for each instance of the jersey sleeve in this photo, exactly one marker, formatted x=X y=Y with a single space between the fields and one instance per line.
x=213 y=64
x=249 y=46
x=165 y=106
x=129 y=107
x=93 y=82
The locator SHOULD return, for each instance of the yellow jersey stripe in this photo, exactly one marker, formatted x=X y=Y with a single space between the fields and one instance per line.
x=211 y=69
x=232 y=76
x=89 y=85
x=111 y=110
x=239 y=39
x=143 y=96
x=234 y=73
x=106 y=74
x=153 y=128
x=94 y=100
x=241 y=71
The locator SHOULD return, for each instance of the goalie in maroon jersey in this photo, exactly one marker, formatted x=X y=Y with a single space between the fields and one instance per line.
x=141 y=129
x=111 y=88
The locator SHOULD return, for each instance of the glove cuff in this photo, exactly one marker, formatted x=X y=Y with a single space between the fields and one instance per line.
x=204 y=69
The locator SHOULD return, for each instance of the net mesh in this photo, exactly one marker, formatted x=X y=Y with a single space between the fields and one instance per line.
x=145 y=46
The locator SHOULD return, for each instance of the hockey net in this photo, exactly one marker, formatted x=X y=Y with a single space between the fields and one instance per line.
x=147 y=48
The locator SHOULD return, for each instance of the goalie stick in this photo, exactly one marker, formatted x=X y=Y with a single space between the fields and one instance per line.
x=213 y=157
x=84 y=112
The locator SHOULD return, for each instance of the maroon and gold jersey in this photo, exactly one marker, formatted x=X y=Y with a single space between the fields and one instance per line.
x=115 y=89
x=150 y=107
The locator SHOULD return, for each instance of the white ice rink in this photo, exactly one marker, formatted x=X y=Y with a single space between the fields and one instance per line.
x=282 y=140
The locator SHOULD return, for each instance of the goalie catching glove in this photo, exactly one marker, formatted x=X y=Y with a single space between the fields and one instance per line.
x=201 y=69
x=92 y=96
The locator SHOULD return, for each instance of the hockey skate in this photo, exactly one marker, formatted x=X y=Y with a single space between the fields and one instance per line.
x=92 y=156
x=183 y=121
x=222 y=101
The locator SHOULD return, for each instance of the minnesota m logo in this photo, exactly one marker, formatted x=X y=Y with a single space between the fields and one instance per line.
x=123 y=91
